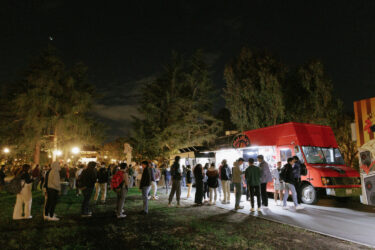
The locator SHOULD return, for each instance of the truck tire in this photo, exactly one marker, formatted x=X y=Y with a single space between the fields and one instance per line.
x=309 y=194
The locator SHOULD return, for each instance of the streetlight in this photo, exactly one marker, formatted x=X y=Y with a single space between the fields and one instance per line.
x=75 y=150
x=6 y=150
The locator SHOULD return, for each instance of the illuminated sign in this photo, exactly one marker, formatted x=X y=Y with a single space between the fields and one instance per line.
x=241 y=141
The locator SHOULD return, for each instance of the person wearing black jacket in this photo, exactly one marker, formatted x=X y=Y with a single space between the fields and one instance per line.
x=145 y=185
x=198 y=176
x=176 y=181
x=189 y=179
x=87 y=182
x=287 y=176
x=101 y=184
x=2 y=175
x=225 y=175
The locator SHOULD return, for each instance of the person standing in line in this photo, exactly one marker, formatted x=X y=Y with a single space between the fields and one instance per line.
x=24 y=197
x=157 y=175
x=167 y=178
x=154 y=186
x=145 y=185
x=183 y=179
x=213 y=183
x=78 y=174
x=101 y=184
x=2 y=175
x=297 y=176
x=176 y=174
x=252 y=175
x=266 y=177
x=225 y=175
x=130 y=173
x=36 y=177
x=53 y=187
x=72 y=177
x=88 y=180
x=122 y=190
x=189 y=179
x=288 y=176
x=237 y=181
x=278 y=184
x=206 y=191
x=198 y=176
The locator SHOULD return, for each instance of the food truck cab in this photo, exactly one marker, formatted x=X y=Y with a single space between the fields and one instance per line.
x=315 y=146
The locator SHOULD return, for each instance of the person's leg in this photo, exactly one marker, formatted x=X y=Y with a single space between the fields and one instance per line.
x=145 y=198
x=228 y=191
x=257 y=193
x=104 y=191
x=275 y=195
x=252 y=189
x=97 y=191
x=264 y=194
x=86 y=200
x=219 y=187
x=294 y=194
x=178 y=192
x=54 y=194
x=189 y=190
x=121 y=201
x=238 y=194
x=47 y=202
x=27 y=208
x=223 y=183
x=17 y=211
x=215 y=193
x=173 y=190
x=156 y=189
x=286 y=194
x=211 y=194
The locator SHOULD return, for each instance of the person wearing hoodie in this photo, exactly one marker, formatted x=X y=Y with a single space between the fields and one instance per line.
x=265 y=177
x=252 y=175
x=88 y=180
x=24 y=198
x=53 y=187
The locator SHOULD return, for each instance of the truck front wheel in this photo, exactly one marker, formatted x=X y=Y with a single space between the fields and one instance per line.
x=308 y=194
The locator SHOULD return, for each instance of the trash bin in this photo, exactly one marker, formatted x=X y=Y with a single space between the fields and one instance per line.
x=64 y=188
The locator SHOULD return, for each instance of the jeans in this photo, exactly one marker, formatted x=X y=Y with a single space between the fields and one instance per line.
x=87 y=192
x=167 y=180
x=219 y=186
x=263 y=192
x=176 y=188
x=238 y=194
x=206 y=191
x=290 y=187
x=145 y=191
x=52 y=196
x=226 y=190
x=154 y=188
x=254 y=190
x=121 y=200
x=183 y=181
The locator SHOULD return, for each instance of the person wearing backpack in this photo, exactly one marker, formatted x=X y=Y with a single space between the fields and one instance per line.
x=176 y=181
x=145 y=185
x=225 y=175
x=53 y=187
x=87 y=183
x=120 y=184
x=212 y=181
x=24 y=197
x=189 y=180
x=101 y=184
x=288 y=177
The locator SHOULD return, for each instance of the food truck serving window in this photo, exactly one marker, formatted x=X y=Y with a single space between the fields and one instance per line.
x=318 y=155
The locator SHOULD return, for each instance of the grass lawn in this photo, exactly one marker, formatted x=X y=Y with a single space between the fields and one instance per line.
x=189 y=227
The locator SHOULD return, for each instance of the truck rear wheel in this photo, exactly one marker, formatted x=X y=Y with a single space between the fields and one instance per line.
x=308 y=194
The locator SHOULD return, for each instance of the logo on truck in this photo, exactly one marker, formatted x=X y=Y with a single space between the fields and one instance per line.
x=241 y=141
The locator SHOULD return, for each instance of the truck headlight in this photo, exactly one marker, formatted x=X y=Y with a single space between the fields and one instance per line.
x=326 y=181
x=358 y=180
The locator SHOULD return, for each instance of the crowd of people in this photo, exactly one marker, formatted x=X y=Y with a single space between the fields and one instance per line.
x=208 y=181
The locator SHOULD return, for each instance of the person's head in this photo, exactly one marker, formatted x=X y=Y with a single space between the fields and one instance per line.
x=188 y=167
x=260 y=158
x=206 y=166
x=177 y=159
x=144 y=164
x=290 y=160
x=92 y=164
x=251 y=161
x=26 y=167
x=295 y=158
x=212 y=165
x=123 y=166
x=278 y=164
x=199 y=166
x=240 y=161
x=224 y=162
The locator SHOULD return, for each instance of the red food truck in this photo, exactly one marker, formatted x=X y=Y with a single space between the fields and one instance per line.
x=316 y=147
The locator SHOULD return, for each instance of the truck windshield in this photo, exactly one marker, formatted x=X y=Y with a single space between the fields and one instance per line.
x=318 y=155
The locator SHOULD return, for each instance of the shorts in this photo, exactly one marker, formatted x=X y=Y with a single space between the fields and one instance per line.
x=279 y=186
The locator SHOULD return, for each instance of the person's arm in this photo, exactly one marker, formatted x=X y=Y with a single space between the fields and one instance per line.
x=126 y=180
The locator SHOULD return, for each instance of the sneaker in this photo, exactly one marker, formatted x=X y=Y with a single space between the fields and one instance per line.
x=210 y=203
x=285 y=207
x=259 y=210
x=239 y=207
x=228 y=202
x=170 y=205
x=178 y=205
x=224 y=202
x=27 y=218
x=299 y=207
x=252 y=210
x=121 y=216
x=53 y=219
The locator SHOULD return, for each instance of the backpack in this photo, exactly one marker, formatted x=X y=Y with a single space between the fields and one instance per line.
x=117 y=180
x=14 y=186
x=303 y=170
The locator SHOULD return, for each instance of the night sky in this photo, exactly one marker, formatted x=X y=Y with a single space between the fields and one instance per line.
x=126 y=43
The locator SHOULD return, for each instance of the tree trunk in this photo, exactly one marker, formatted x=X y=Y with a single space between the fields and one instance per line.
x=37 y=153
